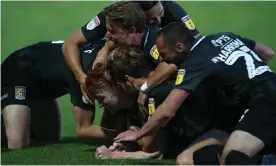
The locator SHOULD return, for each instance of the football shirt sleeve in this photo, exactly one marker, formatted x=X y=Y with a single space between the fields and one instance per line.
x=95 y=29
x=175 y=13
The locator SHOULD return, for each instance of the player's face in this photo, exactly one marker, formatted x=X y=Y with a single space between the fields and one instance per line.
x=108 y=97
x=169 y=55
x=155 y=14
x=111 y=98
x=118 y=34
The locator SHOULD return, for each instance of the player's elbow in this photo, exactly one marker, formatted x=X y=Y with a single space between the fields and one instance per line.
x=270 y=52
x=171 y=68
x=266 y=53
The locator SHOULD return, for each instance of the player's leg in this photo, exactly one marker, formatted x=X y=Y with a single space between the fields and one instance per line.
x=17 y=125
x=46 y=120
x=16 y=115
x=255 y=130
x=213 y=137
x=14 y=98
x=4 y=140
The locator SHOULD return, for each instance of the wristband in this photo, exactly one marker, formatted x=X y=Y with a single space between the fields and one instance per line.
x=144 y=87
x=84 y=99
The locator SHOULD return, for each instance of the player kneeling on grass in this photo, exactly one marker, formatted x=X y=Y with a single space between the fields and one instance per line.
x=32 y=79
x=125 y=66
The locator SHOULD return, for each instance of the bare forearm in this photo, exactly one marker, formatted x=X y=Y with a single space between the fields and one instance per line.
x=102 y=56
x=72 y=58
x=162 y=73
x=159 y=118
x=97 y=132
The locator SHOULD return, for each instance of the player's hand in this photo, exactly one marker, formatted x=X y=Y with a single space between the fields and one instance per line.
x=103 y=152
x=141 y=103
x=85 y=98
x=81 y=80
x=127 y=136
x=117 y=147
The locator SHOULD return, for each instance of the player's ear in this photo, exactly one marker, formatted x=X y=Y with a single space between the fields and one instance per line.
x=179 y=47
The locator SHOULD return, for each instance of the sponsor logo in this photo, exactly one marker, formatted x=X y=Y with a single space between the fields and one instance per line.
x=180 y=76
x=93 y=23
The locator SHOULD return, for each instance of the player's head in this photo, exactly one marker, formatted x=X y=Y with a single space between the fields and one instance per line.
x=124 y=20
x=174 y=42
x=100 y=87
x=127 y=64
x=154 y=10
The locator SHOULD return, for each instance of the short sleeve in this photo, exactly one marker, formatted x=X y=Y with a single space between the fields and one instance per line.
x=95 y=29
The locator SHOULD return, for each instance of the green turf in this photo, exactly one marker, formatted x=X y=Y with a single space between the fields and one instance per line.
x=24 y=23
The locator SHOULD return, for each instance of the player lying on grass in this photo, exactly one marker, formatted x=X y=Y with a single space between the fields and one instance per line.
x=127 y=65
x=32 y=79
x=134 y=31
x=111 y=95
x=232 y=67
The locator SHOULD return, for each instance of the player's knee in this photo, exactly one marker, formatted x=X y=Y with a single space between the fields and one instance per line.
x=208 y=155
x=184 y=159
x=239 y=158
x=243 y=142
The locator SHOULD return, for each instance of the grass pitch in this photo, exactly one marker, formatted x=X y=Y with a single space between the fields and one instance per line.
x=24 y=23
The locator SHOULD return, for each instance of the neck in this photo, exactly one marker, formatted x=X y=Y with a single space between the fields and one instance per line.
x=138 y=39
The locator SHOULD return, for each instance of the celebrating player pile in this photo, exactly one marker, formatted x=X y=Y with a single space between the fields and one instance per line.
x=165 y=92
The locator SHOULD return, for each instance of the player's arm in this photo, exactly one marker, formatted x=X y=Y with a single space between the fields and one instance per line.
x=266 y=53
x=92 y=31
x=164 y=112
x=71 y=53
x=188 y=79
x=183 y=86
x=102 y=56
x=161 y=73
x=85 y=129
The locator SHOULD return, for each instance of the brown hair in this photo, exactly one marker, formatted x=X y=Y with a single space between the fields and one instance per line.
x=127 y=61
x=127 y=15
x=96 y=82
